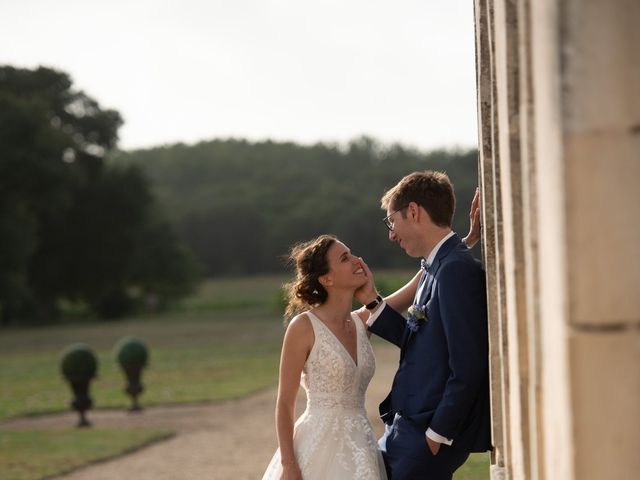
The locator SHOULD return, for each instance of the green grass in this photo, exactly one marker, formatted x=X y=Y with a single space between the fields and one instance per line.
x=36 y=454
x=475 y=468
x=192 y=359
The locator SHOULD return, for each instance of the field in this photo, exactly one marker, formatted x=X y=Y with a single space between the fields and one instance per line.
x=222 y=343
x=204 y=350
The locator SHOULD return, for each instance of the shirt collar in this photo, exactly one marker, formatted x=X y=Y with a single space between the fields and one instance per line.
x=434 y=252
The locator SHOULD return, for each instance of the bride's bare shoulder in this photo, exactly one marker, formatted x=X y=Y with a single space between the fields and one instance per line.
x=300 y=326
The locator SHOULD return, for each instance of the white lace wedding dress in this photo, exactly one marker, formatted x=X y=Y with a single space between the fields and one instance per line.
x=333 y=438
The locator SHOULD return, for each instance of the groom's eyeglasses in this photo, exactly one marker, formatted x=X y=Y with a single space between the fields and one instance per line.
x=387 y=220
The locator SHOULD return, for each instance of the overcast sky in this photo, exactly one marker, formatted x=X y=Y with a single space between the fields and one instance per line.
x=300 y=70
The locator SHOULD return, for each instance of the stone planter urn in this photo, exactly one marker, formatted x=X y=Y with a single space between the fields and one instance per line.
x=132 y=355
x=79 y=366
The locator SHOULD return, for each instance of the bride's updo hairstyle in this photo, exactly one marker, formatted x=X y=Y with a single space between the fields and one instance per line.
x=310 y=261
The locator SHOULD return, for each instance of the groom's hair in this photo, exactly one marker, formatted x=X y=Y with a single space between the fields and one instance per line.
x=432 y=190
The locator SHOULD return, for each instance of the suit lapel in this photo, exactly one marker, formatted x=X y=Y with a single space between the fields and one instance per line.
x=444 y=250
x=423 y=294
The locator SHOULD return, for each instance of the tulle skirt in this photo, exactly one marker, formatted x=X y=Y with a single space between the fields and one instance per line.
x=333 y=443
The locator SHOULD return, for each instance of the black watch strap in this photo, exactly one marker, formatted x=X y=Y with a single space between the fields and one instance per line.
x=374 y=304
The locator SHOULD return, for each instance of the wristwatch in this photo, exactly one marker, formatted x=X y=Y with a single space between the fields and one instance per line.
x=374 y=304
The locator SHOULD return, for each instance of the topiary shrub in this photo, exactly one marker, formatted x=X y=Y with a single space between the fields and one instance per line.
x=79 y=366
x=131 y=352
x=79 y=363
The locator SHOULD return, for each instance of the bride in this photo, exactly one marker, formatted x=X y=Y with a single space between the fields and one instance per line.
x=326 y=349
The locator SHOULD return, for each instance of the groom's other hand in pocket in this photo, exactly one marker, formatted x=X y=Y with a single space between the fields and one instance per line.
x=433 y=446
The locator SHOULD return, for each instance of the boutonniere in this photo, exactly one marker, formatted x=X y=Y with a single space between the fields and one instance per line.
x=417 y=315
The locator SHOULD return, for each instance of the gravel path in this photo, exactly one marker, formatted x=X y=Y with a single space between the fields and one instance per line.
x=228 y=440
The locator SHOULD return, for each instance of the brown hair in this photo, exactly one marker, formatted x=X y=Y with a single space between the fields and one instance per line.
x=310 y=261
x=432 y=190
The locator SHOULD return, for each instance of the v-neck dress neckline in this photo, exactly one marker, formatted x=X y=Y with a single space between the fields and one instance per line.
x=333 y=335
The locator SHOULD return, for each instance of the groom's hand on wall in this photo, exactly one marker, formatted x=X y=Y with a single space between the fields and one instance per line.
x=475 y=226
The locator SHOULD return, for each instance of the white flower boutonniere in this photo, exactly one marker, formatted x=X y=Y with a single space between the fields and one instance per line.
x=417 y=314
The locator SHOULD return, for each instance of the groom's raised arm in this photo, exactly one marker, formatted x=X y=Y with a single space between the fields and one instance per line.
x=388 y=324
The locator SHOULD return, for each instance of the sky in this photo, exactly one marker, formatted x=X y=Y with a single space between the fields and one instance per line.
x=286 y=70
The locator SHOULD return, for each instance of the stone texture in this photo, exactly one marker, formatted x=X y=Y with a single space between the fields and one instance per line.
x=559 y=115
x=602 y=65
x=603 y=202
x=605 y=401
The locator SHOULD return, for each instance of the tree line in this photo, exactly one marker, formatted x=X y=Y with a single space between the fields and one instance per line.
x=108 y=231
x=239 y=205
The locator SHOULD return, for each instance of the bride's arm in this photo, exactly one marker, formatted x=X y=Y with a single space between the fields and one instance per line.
x=297 y=343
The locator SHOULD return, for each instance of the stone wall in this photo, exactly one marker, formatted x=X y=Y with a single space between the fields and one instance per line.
x=559 y=117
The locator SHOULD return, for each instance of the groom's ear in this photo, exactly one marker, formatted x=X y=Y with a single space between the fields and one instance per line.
x=418 y=213
x=413 y=210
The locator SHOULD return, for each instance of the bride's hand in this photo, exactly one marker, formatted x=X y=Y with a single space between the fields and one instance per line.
x=291 y=471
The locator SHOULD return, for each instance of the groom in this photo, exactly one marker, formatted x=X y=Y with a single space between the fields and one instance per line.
x=438 y=409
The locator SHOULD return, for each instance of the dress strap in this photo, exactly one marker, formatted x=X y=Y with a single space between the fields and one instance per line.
x=356 y=319
x=314 y=319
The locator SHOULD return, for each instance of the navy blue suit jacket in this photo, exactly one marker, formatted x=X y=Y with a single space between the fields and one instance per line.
x=442 y=381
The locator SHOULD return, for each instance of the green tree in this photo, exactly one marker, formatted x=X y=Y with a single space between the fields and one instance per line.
x=69 y=221
x=163 y=268
x=241 y=205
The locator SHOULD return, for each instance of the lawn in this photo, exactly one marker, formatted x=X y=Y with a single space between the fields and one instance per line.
x=192 y=358
x=475 y=468
x=32 y=455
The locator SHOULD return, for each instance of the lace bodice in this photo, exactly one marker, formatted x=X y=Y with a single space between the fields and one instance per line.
x=330 y=376
x=333 y=438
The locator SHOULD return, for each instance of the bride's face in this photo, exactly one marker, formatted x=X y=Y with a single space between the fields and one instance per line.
x=345 y=269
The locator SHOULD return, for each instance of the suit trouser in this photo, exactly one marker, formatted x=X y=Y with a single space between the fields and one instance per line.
x=407 y=455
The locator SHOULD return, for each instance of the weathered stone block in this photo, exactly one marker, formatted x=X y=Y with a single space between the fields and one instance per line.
x=605 y=399
x=603 y=231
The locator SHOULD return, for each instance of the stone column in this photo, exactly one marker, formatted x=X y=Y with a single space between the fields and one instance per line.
x=559 y=116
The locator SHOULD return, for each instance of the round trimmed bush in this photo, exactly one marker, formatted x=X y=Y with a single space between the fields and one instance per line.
x=131 y=352
x=79 y=363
